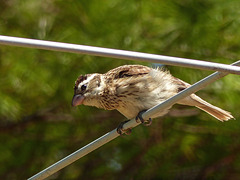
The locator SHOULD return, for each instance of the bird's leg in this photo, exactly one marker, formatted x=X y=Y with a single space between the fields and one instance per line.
x=120 y=129
x=145 y=123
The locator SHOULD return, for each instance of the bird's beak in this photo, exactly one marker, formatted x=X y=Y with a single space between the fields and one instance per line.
x=77 y=100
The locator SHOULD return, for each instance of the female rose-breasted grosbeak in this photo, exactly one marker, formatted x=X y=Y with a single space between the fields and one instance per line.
x=131 y=89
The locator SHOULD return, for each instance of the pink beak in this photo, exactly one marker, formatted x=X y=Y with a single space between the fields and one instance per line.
x=77 y=100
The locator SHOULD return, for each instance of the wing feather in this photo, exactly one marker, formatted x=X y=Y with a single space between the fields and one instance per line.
x=128 y=71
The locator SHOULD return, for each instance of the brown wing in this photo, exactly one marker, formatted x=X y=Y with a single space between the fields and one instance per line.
x=128 y=71
x=181 y=84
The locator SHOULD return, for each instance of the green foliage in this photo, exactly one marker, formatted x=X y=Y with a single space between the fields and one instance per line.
x=38 y=126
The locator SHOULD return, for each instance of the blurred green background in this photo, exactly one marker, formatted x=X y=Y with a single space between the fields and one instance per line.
x=38 y=126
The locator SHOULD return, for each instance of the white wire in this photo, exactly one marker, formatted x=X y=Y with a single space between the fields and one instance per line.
x=115 y=53
x=113 y=134
x=130 y=55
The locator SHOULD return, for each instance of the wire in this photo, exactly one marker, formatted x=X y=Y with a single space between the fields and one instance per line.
x=115 y=53
x=129 y=55
x=113 y=134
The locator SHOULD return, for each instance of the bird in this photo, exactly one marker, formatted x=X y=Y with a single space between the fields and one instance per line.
x=133 y=89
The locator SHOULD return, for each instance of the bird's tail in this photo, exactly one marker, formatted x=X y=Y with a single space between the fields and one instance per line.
x=214 y=111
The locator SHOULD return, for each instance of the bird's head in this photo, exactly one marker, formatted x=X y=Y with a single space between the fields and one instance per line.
x=87 y=90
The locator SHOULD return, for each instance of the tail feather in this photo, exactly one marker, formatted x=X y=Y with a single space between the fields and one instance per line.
x=214 y=111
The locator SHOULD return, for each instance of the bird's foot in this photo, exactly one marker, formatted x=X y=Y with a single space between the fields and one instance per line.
x=145 y=123
x=120 y=129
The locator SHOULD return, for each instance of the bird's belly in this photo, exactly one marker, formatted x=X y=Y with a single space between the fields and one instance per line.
x=130 y=111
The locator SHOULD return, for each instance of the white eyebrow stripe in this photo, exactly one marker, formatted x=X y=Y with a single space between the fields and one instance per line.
x=87 y=80
x=102 y=84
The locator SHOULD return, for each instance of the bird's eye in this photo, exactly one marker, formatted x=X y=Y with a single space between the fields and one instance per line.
x=83 y=87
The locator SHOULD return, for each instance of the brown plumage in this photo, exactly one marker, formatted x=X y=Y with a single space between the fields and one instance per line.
x=134 y=88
